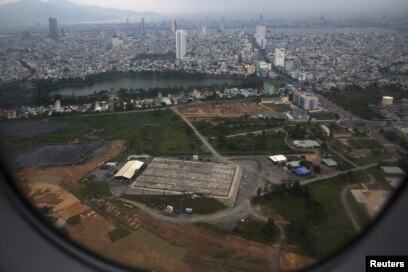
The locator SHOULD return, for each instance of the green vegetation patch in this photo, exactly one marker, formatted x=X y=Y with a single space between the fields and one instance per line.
x=95 y=189
x=159 y=132
x=319 y=225
x=74 y=220
x=199 y=205
x=363 y=103
x=213 y=228
x=231 y=126
x=117 y=234
x=365 y=143
x=258 y=231
x=278 y=107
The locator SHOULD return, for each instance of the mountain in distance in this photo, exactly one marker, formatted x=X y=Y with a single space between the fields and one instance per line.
x=30 y=12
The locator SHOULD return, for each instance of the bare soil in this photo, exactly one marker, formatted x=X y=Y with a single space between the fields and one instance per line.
x=229 y=109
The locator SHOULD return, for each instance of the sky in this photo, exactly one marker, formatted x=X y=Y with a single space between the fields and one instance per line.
x=267 y=7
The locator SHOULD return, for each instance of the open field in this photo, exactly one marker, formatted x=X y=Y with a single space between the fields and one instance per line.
x=360 y=151
x=319 y=225
x=170 y=247
x=224 y=109
x=363 y=103
x=28 y=128
x=156 y=133
x=232 y=126
x=53 y=155
x=71 y=174
x=278 y=107
x=264 y=143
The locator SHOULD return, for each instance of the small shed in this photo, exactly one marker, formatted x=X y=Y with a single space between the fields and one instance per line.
x=278 y=158
x=189 y=210
x=330 y=163
x=293 y=164
x=302 y=171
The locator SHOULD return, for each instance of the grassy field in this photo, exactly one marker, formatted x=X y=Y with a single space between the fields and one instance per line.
x=199 y=205
x=251 y=230
x=319 y=225
x=364 y=103
x=154 y=133
x=278 y=107
x=378 y=152
x=268 y=142
x=231 y=126
x=117 y=234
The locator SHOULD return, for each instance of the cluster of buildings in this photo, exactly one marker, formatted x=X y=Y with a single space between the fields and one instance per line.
x=329 y=59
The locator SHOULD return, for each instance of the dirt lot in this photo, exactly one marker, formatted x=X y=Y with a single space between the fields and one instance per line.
x=229 y=109
x=29 y=128
x=55 y=154
x=71 y=174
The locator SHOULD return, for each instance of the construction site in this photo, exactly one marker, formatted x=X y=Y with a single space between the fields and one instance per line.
x=178 y=177
x=229 y=110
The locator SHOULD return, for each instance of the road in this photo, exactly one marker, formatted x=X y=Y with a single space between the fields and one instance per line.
x=347 y=207
x=334 y=174
x=202 y=138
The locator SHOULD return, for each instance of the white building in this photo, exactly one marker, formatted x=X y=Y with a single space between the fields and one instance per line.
x=279 y=57
x=306 y=101
x=57 y=106
x=260 y=36
x=181 y=46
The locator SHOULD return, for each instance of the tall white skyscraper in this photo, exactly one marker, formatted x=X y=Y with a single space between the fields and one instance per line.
x=279 y=57
x=260 y=36
x=181 y=46
x=260 y=31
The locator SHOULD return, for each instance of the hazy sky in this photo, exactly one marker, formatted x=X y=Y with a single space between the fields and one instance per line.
x=267 y=7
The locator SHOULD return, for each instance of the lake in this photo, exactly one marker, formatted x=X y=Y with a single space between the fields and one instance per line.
x=145 y=83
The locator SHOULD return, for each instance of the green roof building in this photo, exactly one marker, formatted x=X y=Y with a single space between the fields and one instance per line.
x=293 y=164
x=391 y=171
x=306 y=143
x=269 y=88
x=330 y=162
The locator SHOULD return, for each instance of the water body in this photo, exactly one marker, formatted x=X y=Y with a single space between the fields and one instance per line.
x=334 y=30
x=145 y=83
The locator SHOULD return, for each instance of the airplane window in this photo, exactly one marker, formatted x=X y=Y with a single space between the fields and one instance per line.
x=250 y=136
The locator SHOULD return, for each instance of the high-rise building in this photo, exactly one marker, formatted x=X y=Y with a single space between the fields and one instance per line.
x=306 y=101
x=260 y=36
x=143 y=25
x=279 y=57
x=181 y=46
x=53 y=28
x=174 y=26
x=203 y=31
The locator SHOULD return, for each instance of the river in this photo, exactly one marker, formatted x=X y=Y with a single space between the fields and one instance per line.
x=145 y=83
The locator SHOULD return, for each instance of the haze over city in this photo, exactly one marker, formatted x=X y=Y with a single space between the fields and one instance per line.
x=289 y=8
x=206 y=135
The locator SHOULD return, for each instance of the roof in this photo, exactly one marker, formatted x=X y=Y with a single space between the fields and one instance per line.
x=329 y=162
x=301 y=171
x=392 y=170
x=138 y=157
x=129 y=169
x=278 y=158
x=293 y=164
x=306 y=143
